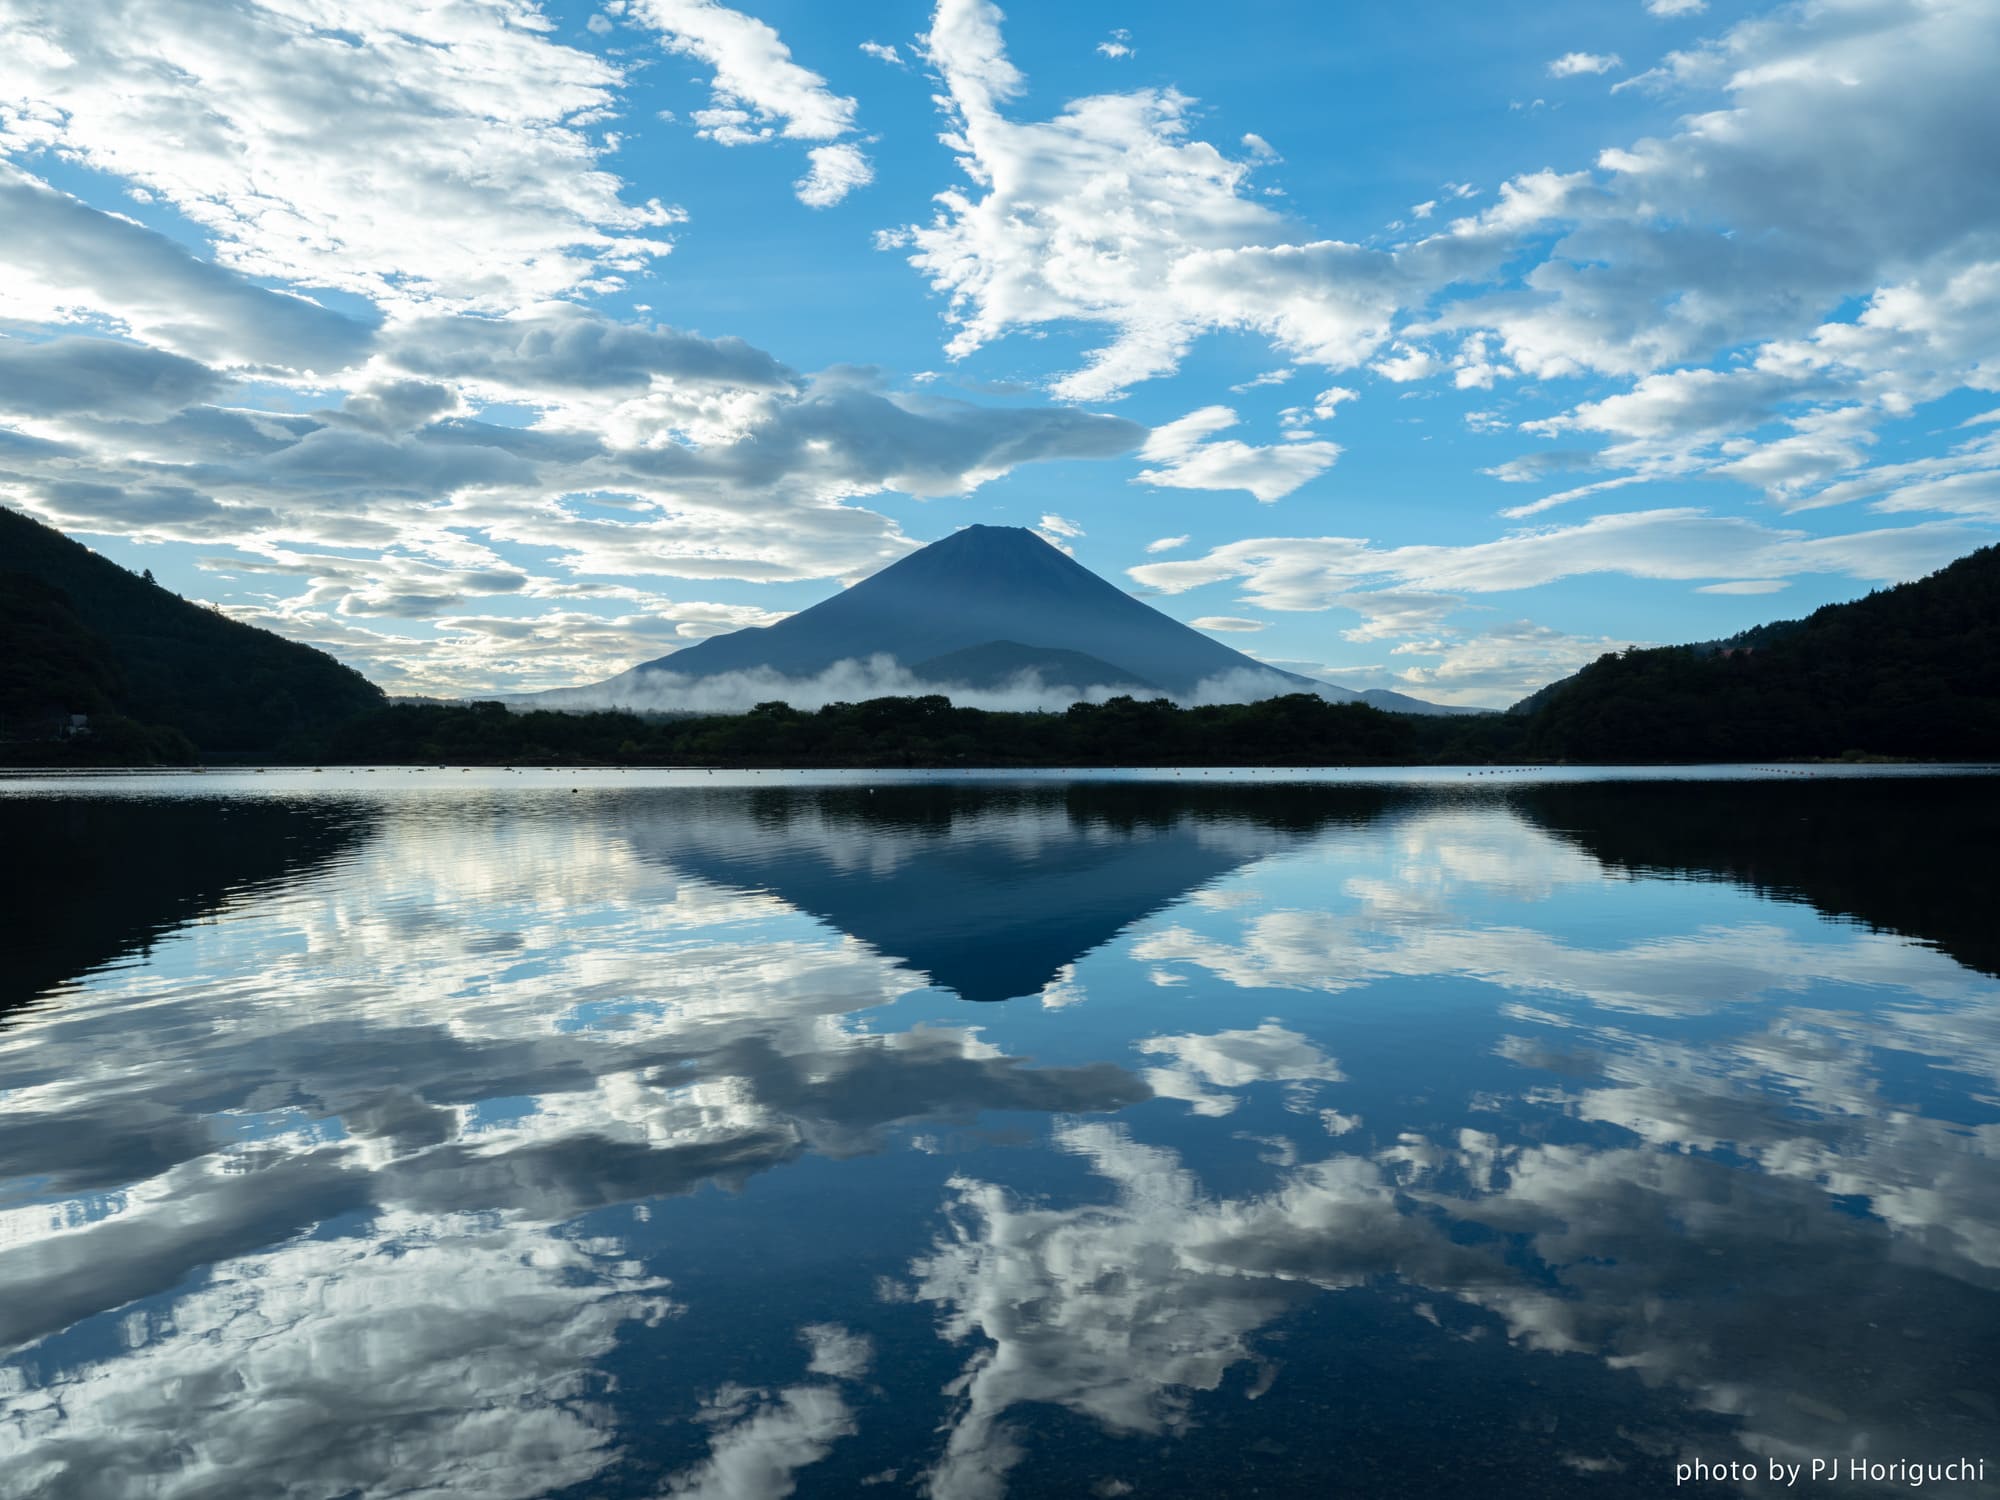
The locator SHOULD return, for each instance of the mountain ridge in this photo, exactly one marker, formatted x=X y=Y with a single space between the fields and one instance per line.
x=83 y=635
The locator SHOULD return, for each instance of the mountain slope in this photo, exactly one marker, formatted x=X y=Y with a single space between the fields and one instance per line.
x=981 y=585
x=998 y=663
x=1402 y=703
x=79 y=634
x=1912 y=670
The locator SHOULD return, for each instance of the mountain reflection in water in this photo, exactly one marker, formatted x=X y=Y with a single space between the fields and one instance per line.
x=1392 y=1137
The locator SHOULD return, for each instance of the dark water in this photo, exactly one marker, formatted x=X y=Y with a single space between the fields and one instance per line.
x=504 y=1135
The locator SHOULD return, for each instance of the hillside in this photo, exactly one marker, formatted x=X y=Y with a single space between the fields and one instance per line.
x=1912 y=670
x=80 y=635
x=996 y=663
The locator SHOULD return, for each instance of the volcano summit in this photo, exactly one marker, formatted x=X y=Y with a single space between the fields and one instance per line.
x=986 y=609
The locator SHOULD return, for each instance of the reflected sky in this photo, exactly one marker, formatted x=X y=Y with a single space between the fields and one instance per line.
x=603 y=1138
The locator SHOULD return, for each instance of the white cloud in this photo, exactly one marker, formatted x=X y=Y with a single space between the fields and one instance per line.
x=1746 y=586
x=1167 y=543
x=1192 y=458
x=884 y=52
x=761 y=1440
x=1109 y=213
x=759 y=91
x=1501 y=664
x=1388 y=614
x=1676 y=7
x=1296 y=418
x=1573 y=64
x=1234 y=1060
x=69 y=264
x=1229 y=623
x=331 y=151
x=1725 y=231
x=1476 y=366
x=1269 y=377
x=444 y=1346
x=1057 y=532
x=1910 y=343
x=836 y=171
x=1831 y=152
x=1311 y=573
x=1407 y=362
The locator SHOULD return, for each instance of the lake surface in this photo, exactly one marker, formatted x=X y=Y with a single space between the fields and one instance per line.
x=510 y=1134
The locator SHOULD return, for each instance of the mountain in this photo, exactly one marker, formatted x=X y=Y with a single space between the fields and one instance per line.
x=972 y=610
x=998 y=663
x=80 y=635
x=980 y=586
x=1909 y=671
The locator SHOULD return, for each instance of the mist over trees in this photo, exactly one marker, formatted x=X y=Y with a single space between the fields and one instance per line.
x=1299 y=729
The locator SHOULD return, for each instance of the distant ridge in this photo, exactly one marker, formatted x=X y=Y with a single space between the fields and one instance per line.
x=80 y=635
x=975 y=609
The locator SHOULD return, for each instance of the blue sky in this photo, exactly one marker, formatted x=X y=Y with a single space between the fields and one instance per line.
x=496 y=346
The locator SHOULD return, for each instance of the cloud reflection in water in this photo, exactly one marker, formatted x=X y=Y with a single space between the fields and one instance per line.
x=317 y=1198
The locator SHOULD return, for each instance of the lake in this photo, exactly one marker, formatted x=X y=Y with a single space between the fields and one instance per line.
x=1413 y=1133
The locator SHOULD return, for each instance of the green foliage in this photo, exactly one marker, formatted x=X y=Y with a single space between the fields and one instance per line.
x=79 y=634
x=1912 y=671
x=52 y=664
x=928 y=731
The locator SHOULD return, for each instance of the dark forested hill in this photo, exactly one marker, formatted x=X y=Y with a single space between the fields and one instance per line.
x=1910 y=671
x=80 y=635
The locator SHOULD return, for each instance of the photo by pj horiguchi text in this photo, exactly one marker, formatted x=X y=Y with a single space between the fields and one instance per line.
x=1832 y=1471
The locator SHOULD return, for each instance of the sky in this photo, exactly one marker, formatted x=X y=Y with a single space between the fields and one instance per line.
x=495 y=346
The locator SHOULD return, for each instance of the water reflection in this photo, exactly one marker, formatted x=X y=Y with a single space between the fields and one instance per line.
x=1894 y=854
x=990 y=892
x=89 y=880
x=641 y=1143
